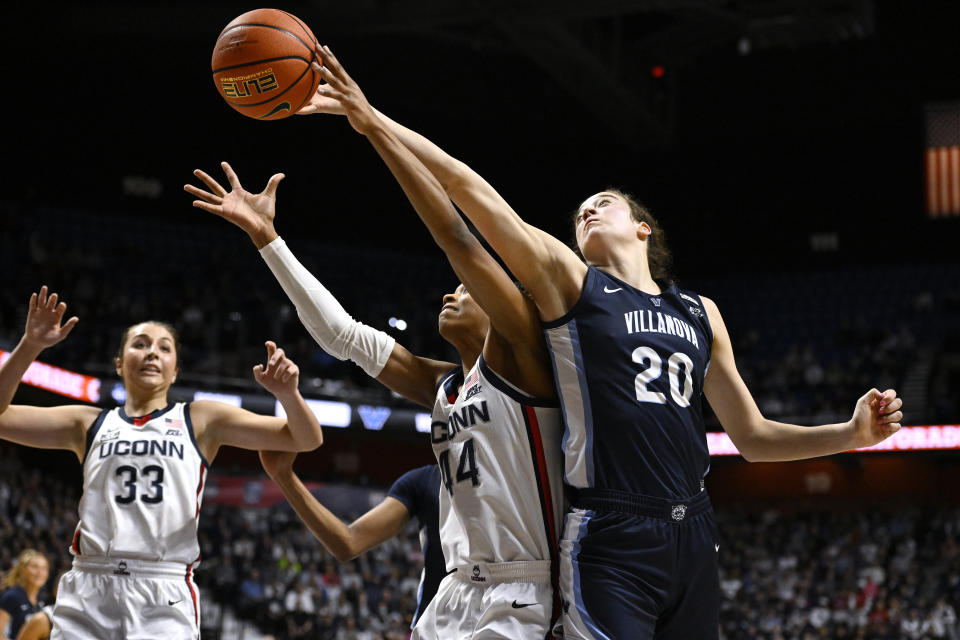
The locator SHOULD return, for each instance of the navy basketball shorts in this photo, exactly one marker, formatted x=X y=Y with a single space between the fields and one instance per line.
x=634 y=567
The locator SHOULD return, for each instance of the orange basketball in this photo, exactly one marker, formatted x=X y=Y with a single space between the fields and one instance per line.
x=261 y=64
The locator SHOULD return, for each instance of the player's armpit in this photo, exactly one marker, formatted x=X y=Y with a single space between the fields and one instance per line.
x=413 y=377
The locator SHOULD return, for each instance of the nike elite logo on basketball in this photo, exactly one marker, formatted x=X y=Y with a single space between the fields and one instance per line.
x=521 y=606
x=606 y=289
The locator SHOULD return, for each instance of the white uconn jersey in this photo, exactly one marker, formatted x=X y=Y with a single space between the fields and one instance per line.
x=143 y=482
x=501 y=495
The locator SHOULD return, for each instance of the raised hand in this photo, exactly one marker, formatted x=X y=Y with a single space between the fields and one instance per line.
x=319 y=102
x=341 y=94
x=45 y=326
x=281 y=375
x=277 y=463
x=876 y=417
x=254 y=213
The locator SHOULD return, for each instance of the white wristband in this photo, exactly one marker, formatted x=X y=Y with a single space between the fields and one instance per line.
x=330 y=325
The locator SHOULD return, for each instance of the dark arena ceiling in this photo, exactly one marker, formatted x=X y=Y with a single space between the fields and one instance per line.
x=770 y=120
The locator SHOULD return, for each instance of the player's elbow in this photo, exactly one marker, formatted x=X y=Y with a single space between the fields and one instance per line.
x=313 y=441
x=747 y=453
x=749 y=443
x=344 y=555
x=455 y=176
x=304 y=442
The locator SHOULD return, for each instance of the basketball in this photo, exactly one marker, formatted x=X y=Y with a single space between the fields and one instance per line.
x=261 y=64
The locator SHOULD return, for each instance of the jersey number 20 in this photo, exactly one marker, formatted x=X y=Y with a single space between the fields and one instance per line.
x=680 y=391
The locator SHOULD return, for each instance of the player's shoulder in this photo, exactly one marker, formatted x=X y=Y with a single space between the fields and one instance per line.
x=713 y=311
x=419 y=476
x=201 y=410
x=690 y=296
x=416 y=486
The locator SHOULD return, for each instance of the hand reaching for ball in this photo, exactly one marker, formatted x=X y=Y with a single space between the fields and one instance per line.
x=252 y=212
x=340 y=94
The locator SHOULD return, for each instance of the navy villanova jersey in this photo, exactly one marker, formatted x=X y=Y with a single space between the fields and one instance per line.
x=419 y=491
x=629 y=368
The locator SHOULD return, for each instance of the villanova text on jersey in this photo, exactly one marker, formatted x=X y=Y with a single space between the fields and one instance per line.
x=630 y=368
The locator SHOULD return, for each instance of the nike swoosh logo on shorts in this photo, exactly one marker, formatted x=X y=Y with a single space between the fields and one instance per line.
x=606 y=290
x=173 y=602
x=521 y=606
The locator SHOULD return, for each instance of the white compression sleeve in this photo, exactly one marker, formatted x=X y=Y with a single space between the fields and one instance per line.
x=330 y=325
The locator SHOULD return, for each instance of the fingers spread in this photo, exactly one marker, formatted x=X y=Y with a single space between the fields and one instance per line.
x=332 y=78
x=272 y=184
x=70 y=324
x=327 y=91
x=210 y=182
x=231 y=176
x=204 y=195
x=206 y=206
x=329 y=58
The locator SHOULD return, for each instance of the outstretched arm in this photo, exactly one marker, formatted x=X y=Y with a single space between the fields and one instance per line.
x=331 y=326
x=876 y=415
x=547 y=268
x=43 y=427
x=520 y=353
x=344 y=541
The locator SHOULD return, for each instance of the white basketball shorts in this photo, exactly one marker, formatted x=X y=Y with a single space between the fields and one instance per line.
x=506 y=600
x=126 y=599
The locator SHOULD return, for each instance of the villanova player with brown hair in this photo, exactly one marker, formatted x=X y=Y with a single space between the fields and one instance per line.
x=495 y=429
x=144 y=466
x=633 y=356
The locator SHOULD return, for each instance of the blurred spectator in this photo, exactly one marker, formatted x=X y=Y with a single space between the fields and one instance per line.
x=833 y=350
x=20 y=595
